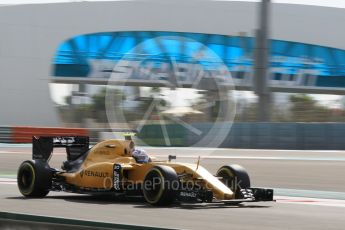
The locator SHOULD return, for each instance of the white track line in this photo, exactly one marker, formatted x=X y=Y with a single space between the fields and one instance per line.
x=245 y=150
x=13 y=152
x=8 y=181
x=27 y=152
x=257 y=158
x=221 y=157
x=310 y=201
x=217 y=149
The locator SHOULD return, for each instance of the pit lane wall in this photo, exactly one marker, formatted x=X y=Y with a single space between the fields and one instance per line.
x=248 y=135
x=253 y=135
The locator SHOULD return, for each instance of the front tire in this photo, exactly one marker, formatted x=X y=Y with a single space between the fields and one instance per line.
x=161 y=186
x=235 y=177
x=34 y=178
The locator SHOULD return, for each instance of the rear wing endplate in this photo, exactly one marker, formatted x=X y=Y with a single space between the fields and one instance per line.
x=42 y=146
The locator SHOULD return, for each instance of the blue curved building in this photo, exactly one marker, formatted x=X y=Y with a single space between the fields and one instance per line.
x=288 y=58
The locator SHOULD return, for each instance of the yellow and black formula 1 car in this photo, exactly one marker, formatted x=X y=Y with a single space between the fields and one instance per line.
x=110 y=167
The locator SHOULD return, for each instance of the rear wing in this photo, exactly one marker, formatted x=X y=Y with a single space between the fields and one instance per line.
x=42 y=147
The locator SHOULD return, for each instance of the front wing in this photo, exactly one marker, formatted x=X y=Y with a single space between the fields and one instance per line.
x=246 y=195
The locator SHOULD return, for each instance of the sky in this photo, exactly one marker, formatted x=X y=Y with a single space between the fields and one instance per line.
x=329 y=3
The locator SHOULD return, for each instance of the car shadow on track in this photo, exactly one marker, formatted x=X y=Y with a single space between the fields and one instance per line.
x=138 y=202
x=195 y=206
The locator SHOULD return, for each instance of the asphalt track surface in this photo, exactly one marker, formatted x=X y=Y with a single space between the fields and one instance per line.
x=310 y=193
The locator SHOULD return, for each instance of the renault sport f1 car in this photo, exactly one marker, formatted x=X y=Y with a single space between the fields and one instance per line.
x=110 y=167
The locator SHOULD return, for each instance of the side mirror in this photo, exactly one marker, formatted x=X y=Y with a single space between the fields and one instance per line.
x=171 y=157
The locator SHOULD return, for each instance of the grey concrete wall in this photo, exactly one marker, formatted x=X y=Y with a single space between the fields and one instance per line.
x=5 y=134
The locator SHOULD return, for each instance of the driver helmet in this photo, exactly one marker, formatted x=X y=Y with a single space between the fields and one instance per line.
x=140 y=156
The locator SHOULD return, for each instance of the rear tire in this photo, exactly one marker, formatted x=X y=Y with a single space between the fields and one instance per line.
x=34 y=178
x=160 y=186
x=235 y=177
